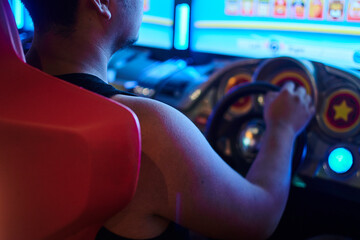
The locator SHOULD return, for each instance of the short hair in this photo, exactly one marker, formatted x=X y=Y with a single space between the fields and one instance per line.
x=52 y=13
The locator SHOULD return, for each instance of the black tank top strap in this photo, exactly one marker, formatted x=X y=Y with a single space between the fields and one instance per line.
x=93 y=84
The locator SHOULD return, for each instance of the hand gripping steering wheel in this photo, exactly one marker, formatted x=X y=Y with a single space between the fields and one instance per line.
x=237 y=140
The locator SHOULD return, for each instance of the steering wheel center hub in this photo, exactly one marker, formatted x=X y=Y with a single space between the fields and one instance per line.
x=249 y=139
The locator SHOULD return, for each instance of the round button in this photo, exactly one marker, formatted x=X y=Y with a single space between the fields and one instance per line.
x=341 y=113
x=340 y=160
x=244 y=104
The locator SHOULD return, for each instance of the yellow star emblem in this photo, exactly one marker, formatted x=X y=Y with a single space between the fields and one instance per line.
x=342 y=111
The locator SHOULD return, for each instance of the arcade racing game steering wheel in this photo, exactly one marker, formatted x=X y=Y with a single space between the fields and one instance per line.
x=245 y=131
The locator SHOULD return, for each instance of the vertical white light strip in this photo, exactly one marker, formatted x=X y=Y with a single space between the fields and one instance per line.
x=182 y=19
x=18 y=9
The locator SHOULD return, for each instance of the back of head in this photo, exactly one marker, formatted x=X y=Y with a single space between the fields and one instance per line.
x=47 y=14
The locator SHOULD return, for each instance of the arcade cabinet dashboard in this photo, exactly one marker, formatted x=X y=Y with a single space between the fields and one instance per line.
x=190 y=54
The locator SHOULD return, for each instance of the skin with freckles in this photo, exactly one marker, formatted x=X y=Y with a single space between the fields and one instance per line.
x=181 y=178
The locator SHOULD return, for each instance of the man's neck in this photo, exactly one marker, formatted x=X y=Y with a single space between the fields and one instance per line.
x=57 y=55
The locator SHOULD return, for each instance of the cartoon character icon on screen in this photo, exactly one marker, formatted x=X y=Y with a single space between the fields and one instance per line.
x=336 y=10
x=247 y=8
x=316 y=9
x=354 y=10
x=233 y=7
x=263 y=8
x=298 y=8
x=146 y=5
x=280 y=8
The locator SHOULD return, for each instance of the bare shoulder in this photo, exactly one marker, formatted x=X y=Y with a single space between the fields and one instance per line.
x=159 y=121
x=147 y=108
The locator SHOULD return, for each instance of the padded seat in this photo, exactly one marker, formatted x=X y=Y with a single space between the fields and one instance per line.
x=69 y=158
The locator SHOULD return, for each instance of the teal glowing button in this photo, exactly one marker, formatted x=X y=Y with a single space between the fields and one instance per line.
x=341 y=160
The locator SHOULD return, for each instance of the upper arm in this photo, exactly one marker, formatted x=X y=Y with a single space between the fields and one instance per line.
x=203 y=193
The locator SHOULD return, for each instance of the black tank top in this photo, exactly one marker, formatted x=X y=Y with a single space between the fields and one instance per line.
x=95 y=84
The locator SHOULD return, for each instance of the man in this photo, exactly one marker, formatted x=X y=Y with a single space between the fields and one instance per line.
x=180 y=182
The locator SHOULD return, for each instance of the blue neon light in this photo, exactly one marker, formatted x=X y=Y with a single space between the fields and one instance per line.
x=341 y=160
x=18 y=9
x=28 y=23
x=181 y=41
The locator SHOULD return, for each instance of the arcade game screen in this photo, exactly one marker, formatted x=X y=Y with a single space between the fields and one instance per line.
x=321 y=30
x=157 y=28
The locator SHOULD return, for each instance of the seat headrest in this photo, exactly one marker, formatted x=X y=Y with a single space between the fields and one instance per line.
x=10 y=44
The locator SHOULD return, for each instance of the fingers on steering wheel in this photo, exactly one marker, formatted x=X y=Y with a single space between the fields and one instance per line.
x=289 y=86
x=301 y=92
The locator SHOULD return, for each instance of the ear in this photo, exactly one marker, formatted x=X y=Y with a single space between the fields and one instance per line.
x=102 y=7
